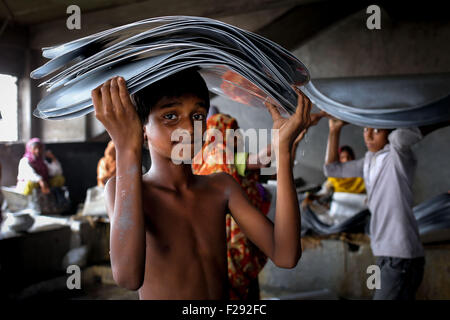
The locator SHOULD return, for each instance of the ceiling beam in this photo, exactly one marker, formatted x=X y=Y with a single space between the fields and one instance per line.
x=55 y=32
x=304 y=21
x=13 y=46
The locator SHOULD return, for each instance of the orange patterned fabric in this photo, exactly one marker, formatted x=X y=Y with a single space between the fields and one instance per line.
x=245 y=260
x=106 y=167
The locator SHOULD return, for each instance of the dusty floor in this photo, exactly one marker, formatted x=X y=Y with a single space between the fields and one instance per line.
x=107 y=292
x=96 y=292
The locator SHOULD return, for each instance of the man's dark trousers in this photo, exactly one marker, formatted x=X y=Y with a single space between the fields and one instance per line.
x=400 y=278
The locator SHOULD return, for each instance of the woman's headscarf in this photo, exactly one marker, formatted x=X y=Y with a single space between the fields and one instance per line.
x=37 y=163
x=212 y=111
x=214 y=152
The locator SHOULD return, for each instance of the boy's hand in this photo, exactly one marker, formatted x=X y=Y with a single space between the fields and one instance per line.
x=290 y=128
x=115 y=110
x=315 y=117
x=335 y=124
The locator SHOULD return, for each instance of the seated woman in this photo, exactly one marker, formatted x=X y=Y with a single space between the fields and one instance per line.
x=37 y=172
x=350 y=185
x=339 y=198
x=244 y=259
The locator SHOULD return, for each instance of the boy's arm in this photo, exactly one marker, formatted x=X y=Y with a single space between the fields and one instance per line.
x=115 y=110
x=280 y=242
x=335 y=126
x=349 y=169
x=404 y=138
x=332 y=166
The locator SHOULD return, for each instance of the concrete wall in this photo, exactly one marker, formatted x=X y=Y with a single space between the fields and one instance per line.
x=13 y=44
x=78 y=160
x=349 y=49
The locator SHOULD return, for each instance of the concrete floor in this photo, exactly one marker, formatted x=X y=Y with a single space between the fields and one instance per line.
x=100 y=291
x=330 y=268
x=96 y=284
x=340 y=267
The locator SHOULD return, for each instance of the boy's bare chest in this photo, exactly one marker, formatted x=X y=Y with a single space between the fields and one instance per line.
x=185 y=243
x=192 y=205
x=193 y=220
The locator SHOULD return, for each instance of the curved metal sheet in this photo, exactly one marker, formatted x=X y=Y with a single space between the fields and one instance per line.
x=384 y=102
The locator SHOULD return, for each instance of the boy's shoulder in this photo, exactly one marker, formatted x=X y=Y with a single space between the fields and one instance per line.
x=218 y=177
x=221 y=182
x=218 y=181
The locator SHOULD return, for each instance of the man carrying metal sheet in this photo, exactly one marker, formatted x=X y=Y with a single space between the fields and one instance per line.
x=388 y=170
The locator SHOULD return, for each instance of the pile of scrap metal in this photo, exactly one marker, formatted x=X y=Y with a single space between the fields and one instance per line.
x=433 y=219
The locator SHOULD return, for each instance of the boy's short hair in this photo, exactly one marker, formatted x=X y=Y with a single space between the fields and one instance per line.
x=188 y=81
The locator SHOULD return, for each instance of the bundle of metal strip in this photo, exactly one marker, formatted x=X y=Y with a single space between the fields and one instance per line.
x=384 y=102
x=235 y=63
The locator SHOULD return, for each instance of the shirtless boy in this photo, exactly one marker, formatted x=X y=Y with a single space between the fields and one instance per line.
x=168 y=226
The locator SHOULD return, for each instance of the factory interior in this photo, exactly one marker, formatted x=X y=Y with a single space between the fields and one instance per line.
x=378 y=67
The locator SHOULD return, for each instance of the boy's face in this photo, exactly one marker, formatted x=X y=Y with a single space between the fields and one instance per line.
x=170 y=114
x=375 y=139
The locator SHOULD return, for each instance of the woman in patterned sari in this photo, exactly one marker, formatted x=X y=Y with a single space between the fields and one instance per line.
x=245 y=260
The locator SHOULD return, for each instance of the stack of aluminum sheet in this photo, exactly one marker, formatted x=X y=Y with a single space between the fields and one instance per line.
x=235 y=63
